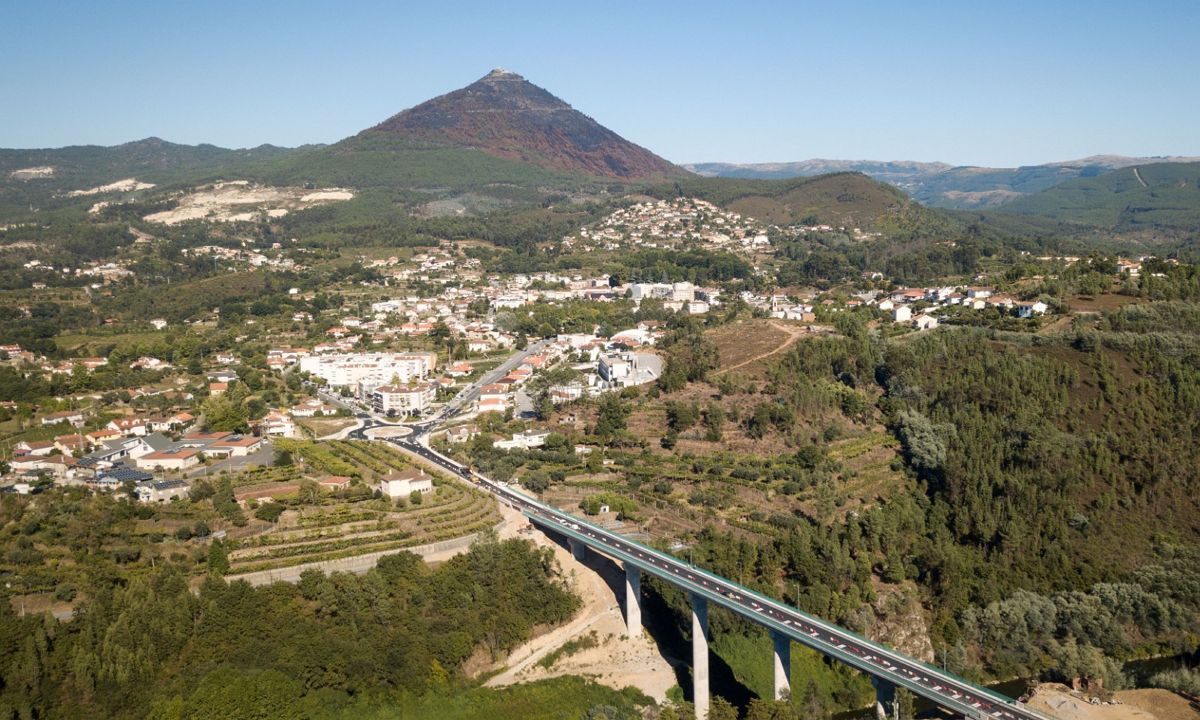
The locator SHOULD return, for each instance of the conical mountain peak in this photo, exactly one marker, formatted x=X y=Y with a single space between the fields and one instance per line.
x=505 y=115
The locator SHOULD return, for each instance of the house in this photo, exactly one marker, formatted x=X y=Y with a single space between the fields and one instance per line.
x=70 y=444
x=313 y=408
x=901 y=313
x=151 y=491
x=234 y=446
x=570 y=392
x=206 y=438
x=460 y=369
x=403 y=484
x=524 y=440
x=34 y=448
x=59 y=466
x=118 y=475
x=74 y=417
x=274 y=491
x=113 y=451
x=492 y=404
x=461 y=434
x=104 y=434
x=1030 y=309
x=334 y=482
x=129 y=426
x=277 y=424
x=925 y=322
x=217 y=388
x=172 y=459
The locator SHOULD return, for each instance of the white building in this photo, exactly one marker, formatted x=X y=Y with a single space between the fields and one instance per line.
x=1029 y=309
x=368 y=370
x=403 y=399
x=403 y=484
x=524 y=440
x=901 y=313
x=925 y=322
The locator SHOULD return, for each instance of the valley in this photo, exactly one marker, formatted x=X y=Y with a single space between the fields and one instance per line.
x=317 y=431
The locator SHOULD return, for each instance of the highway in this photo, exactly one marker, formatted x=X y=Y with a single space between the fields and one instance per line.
x=944 y=689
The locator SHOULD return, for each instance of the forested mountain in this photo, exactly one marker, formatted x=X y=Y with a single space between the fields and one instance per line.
x=1160 y=196
x=848 y=199
x=940 y=184
x=33 y=177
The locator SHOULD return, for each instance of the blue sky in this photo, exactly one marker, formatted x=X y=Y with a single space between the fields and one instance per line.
x=967 y=83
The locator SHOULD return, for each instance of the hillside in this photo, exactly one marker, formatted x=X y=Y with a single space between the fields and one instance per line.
x=840 y=199
x=35 y=177
x=1161 y=196
x=939 y=184
x=506 y=116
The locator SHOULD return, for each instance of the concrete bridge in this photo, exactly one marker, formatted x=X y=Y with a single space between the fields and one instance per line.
x=887 y=668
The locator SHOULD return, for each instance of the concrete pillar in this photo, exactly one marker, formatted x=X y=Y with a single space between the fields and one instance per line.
x=633 y=600
x=578 y=549
x=885 y=699
x=700 y=656
x=783 y=665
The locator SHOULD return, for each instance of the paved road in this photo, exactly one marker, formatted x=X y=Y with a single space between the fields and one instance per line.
x=946 y=690
x=470 y=393
x=942 y=688
x=263 y=456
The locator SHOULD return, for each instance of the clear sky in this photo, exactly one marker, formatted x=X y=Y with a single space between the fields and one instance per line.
x=973 y=82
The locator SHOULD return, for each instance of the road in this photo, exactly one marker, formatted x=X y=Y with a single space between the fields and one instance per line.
x=470 y=393
x=940 y=687
x=944 y=689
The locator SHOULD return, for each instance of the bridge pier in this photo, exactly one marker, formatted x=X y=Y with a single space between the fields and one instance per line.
x=783 y=665
x=633 y=600
x=885 y=699
x=578 y=549
x=700 y=655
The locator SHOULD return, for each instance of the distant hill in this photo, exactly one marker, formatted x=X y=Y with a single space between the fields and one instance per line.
x=35 y=176
x=506 y=116
x=1158 y=196
x=942 y=185
x=839 y=199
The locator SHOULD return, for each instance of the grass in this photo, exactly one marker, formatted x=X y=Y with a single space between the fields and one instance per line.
x=74 y=342
x=555 y=699
x=569 y=648
x=833 y=684
x=320 y=427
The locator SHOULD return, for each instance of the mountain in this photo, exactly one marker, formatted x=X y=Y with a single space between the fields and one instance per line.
x=895 y=172
x=942 y=185
x=1141 y=197
x=506 y=116
x=39 y=176
x=841 y=199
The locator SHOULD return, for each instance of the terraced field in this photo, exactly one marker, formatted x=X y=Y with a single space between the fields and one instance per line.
x=340 y=529
x=326 y=533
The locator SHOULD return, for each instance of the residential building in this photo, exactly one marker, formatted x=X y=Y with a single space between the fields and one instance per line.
x=395 y=400
x=405 y=483
x=151 y=491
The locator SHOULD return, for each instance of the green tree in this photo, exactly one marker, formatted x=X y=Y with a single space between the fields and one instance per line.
x=218 y=558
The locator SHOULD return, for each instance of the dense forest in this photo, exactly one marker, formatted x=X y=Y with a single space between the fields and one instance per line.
x=329 y=647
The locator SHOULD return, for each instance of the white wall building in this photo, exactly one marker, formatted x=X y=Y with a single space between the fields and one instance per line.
x=403 y=399
x=403 y=484
x=355 y=370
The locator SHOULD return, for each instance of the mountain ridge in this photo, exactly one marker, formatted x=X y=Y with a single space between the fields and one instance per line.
x=941 y=184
